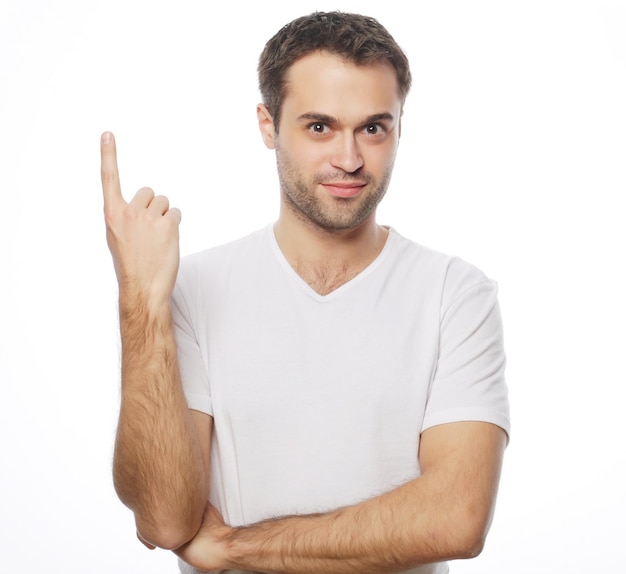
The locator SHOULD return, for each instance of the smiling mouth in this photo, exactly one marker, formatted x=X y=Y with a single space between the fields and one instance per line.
x=344 y=188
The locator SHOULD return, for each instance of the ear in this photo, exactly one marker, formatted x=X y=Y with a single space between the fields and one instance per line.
x=266 y=125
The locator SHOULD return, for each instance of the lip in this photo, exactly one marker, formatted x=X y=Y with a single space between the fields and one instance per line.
x=344 y=188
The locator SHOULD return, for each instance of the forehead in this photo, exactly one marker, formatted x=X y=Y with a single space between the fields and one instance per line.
x=326 y=83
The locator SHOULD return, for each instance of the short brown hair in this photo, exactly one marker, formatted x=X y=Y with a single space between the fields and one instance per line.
x=358 y=39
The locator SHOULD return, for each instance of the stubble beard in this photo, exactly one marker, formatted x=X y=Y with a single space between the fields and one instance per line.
x=337 y=213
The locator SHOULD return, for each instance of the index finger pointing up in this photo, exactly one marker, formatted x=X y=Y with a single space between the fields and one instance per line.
x=110 y=176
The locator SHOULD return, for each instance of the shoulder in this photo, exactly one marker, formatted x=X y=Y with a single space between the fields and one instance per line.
x=224 y=251
x=451 y=274
x=208 y=272
x=222 y=255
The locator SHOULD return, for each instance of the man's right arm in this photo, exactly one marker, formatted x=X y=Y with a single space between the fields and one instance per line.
x=162 y=448
x=160 y=465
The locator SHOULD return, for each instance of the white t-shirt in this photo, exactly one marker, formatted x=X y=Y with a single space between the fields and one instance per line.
x=318 y=401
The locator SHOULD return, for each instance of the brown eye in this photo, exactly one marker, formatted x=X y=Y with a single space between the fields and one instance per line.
x=318 y=128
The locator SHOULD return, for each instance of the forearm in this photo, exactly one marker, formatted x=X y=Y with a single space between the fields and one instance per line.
x=158 y=470
x=444 y=514
x=390 y=533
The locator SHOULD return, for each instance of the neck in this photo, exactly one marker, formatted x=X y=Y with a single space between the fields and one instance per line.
x=328 y=259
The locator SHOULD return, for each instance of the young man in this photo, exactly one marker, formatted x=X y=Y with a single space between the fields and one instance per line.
x=334 y=390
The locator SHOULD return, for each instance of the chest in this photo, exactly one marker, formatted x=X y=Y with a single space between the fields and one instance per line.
x=324 y=277
x=275 y=350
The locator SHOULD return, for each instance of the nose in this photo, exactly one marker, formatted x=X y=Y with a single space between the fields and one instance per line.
x=346 y=155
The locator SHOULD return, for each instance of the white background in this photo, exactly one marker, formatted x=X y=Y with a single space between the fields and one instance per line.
x=512 y=156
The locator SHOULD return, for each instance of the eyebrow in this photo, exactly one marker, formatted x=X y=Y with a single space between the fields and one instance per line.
x=324 y=118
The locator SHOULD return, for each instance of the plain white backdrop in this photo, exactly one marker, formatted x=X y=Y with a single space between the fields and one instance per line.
x=512 y=157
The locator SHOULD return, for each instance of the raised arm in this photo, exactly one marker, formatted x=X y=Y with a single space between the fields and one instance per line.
x=160 y=465
x=444 y=514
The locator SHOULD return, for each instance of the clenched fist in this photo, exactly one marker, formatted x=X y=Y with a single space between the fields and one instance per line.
x=142 y=236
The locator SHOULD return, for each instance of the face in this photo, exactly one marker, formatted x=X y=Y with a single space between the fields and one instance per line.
x=339 y=133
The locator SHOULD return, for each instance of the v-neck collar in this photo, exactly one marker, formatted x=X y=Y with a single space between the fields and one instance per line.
x=295 y=277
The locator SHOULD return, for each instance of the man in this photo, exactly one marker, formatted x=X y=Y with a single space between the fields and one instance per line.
x=335 y=390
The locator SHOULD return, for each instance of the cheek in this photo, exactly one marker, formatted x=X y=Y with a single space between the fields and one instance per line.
x=299 y=147
x=310 y=157
x=380 y=159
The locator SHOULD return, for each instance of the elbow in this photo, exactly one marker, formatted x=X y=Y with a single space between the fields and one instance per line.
x=166 y=526
x=163 y=540
x=461 y=536
x=459 y=546
x=166 y=534
x=470 y=535
x=470 y=547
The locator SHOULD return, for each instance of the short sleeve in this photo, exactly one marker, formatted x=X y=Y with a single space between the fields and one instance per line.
x=190 y=359
x=469 y=382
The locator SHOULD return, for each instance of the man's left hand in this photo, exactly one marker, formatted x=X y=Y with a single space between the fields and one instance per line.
x=206 y=551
